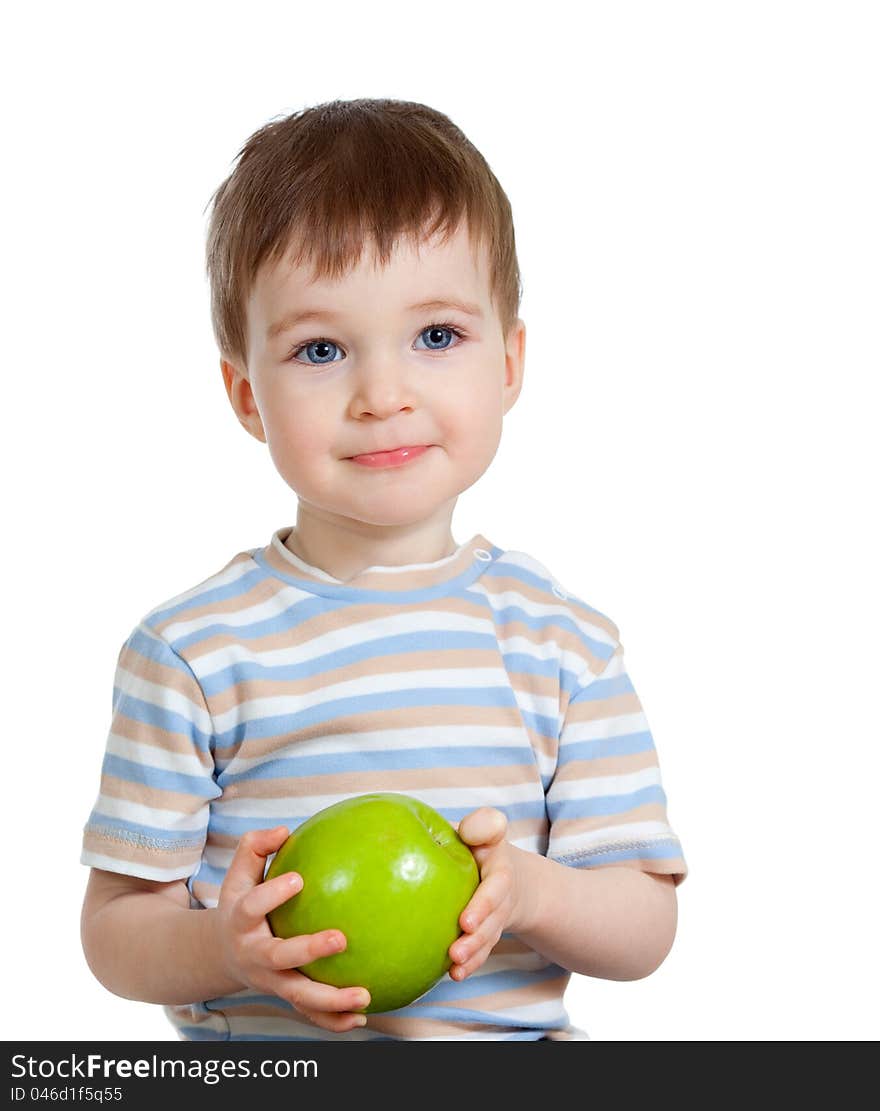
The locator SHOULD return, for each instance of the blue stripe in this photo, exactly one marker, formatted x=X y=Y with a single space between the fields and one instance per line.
x=541 y=724
x=330 y=763
x=201 y=786
x=151 y=837
x=528 y=665
x=237 y=826
x=490 y=982
x=556 y=621
x=427 y=640
x=604 y=688
x=502 y=570
x=604 y=804
x=216 y=594
x=485 y=1018
x=274 y=724
x=294 y=615
x=627 y=744
x=667 y=849
x=159 y=717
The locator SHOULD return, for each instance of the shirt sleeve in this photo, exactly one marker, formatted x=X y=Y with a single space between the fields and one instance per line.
x=157 y=779
x=606 y=803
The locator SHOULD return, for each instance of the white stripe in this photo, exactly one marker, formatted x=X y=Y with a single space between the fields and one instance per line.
x=439 y=680
x=392 y=740
x=439 y=798
x=164 y=698
x=264 y=609
x=213 y=582
x=602 y=728
x=151 y=756
x=627 y=833
x=602 y=785
x=172 y=820
x=356 y=634
x=127 y=868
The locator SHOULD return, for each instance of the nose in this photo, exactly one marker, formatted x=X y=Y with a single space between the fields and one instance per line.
x=381 y=389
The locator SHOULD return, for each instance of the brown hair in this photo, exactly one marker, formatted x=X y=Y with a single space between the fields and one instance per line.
x=338 y=174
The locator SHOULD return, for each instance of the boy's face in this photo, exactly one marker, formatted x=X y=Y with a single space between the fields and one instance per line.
x=377 y=373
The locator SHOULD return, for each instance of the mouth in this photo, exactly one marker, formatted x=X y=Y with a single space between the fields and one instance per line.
x=396 y=457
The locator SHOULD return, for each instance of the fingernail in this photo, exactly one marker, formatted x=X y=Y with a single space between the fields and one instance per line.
x=361 y=1020
x=294 y=880
x=363 y=999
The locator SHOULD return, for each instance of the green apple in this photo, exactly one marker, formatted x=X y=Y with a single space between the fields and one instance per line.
x=391 y=874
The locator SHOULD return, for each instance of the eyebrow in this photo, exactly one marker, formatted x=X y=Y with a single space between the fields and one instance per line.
x=293 y=318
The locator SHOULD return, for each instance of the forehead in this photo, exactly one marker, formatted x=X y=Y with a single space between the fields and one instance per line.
x=424 y=270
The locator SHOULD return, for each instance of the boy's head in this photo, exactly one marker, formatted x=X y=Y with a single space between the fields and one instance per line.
x=373 y=216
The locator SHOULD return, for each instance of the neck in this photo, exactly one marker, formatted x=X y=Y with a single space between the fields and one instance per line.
x=343 y=547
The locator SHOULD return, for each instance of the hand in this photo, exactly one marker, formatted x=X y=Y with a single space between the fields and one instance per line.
x=495 y=905
x=254 y=956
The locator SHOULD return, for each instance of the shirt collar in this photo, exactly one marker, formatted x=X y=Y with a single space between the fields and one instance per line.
x=465 y=564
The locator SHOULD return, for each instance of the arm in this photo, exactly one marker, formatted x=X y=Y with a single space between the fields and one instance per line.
x=615 y=923
x=142 y=940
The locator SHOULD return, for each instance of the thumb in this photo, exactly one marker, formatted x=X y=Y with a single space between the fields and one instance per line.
x=246 y=869
x=486 y=826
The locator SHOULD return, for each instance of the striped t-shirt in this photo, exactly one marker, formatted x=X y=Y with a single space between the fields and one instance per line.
x=272 y=690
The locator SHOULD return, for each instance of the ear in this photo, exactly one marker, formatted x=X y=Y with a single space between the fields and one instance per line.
x=514 y=363
x=241 y=398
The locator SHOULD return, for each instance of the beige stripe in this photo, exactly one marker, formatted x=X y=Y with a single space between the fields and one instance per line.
x=156 y=797
x=364 y=782
x=161 y=674
x=544 y=596
x=326 y=622
x=411 y=1028
x=607 y=765
x=262 y=591
x=408 y=663
x=404 y=717
x=571 y=827
x=523 y=829
x=114 y=847
x=541 y=992
x=566 y=639
x=598 y=708
x=163 y=740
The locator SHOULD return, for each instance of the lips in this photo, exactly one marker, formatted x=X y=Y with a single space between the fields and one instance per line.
x=394 y=458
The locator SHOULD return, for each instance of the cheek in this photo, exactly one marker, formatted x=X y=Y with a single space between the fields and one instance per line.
x=297 y=427
x=473 y=427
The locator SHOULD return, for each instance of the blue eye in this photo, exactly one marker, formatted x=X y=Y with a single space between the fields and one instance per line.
x=435 y=334
x=322 y=352
x=323 y=349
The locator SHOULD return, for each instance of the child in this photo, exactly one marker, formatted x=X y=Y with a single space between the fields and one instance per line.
x=365 y=291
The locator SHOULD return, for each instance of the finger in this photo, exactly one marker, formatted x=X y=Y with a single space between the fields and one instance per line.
x=469 y=944
x=309 y=995
x=476 y=960
x=486 y=826
x=256 y=904
x=293 y=952
x=338 y=1024
x=491 y=893
x=249 y=860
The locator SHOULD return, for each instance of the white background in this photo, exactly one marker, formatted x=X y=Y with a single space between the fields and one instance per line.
x=695 y=189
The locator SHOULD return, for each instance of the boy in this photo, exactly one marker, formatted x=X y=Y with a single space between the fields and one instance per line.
x=365 y=292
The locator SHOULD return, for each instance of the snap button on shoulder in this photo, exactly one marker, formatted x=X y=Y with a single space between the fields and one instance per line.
x=482 y=554
x=559 y=593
